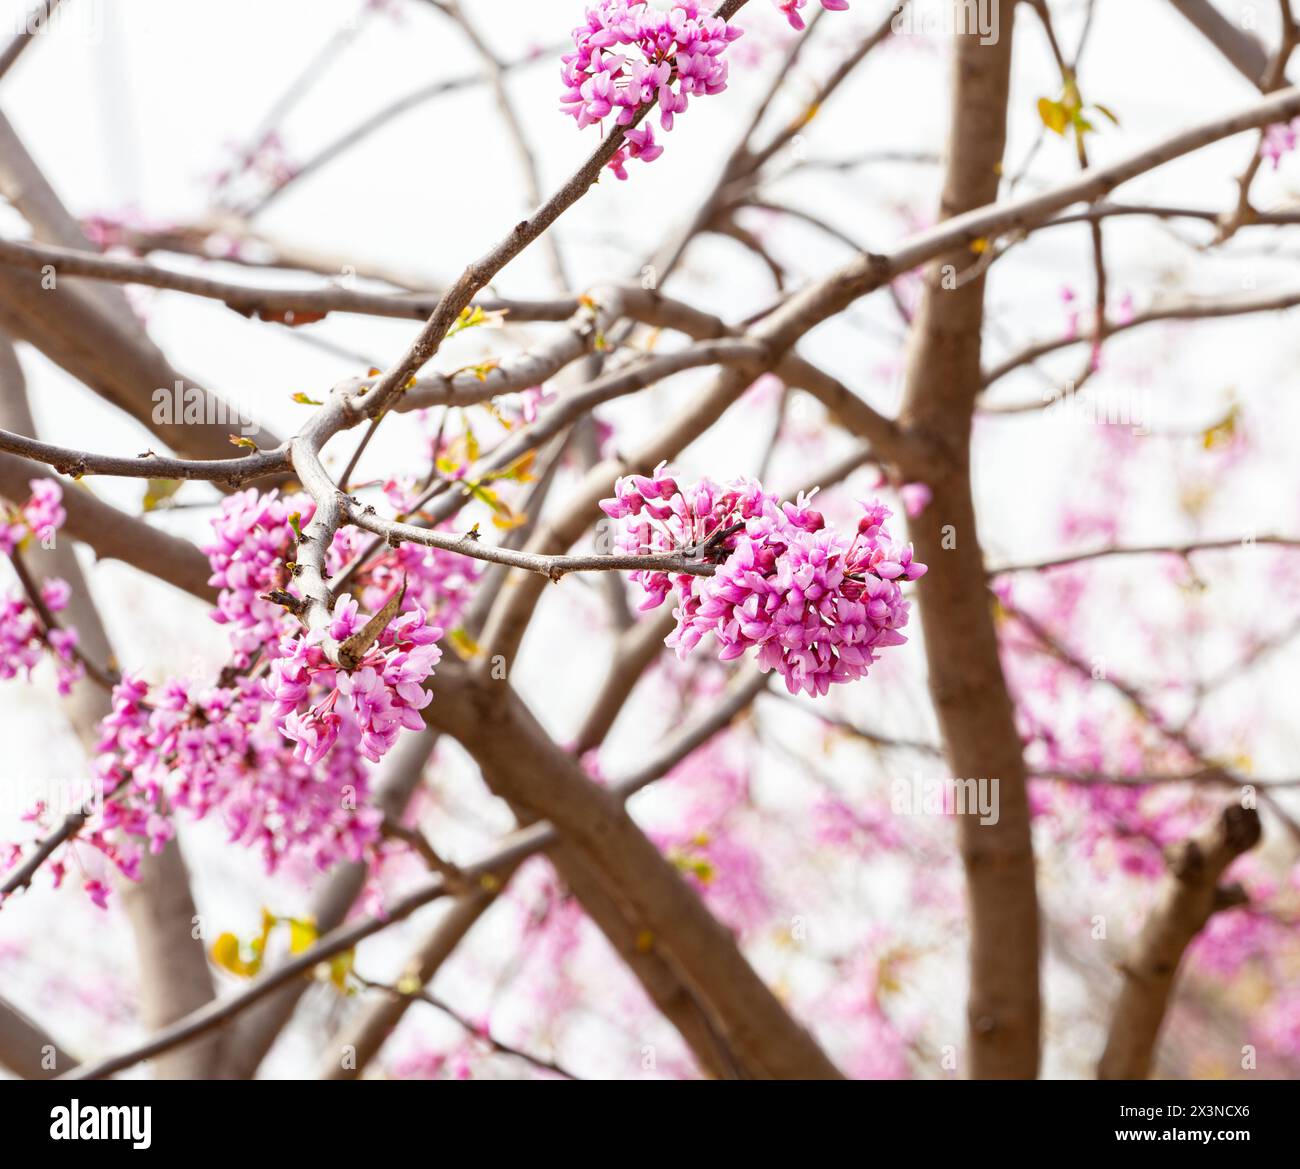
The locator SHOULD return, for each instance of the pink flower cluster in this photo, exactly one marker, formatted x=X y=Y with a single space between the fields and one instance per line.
x=791 y=9
x=629 y=54
x=278 y=747
x=24 y=637
x=383 y=694
x=816 y=606
x=212 y=750
x=252 y=542
x=252 y=549
x=41 y=516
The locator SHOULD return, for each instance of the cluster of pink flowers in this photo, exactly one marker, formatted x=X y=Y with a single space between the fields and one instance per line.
x=629 y=54
x=312 y=701
x=791 y=9
x=252 y=542
x=252 y=550
x=24 y=637
x=383 y=694
x=816 y=606
x=278 y=747
x=211 y=749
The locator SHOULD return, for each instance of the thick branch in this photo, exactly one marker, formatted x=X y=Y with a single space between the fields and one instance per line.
x=1188 y=897
x=966 y=681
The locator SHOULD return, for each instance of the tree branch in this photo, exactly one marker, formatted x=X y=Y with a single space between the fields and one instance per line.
x=1188 y=897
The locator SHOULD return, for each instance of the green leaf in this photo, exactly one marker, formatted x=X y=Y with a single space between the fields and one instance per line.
x=302 y=398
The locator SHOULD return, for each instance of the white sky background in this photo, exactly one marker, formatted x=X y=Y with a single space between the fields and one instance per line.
x=128 y=106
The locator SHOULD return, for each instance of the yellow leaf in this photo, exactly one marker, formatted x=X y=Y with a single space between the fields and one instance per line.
x=505 y=518
x=226 y=954
x=302 y=934
x=1054 y=114
x=159 y=491
x=464 y=644
x=1223 y=431
x=340 y=966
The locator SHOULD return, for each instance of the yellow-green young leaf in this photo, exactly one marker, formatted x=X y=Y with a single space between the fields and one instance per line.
x=258 y=944
x=474 y=316
x=239 y=440
x=480 y=370
x=1223 y=431
x=226 y=954
x=1054 y=114
x=302 y=398
x=464 y=644
x=159 y=491
x=507 y=519
x=503 y=515
x=1107 y=113
x=483 y=494
x=521 y=470
x=465 y=447
x=302 y=934
x=340 y=967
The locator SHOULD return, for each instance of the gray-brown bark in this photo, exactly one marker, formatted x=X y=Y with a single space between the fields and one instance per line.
x=525 y=767
x=1189 y=895
x=966 y=682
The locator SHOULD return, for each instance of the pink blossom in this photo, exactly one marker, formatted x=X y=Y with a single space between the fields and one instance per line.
x=816 y=607
x=791 y=9
x=1279 y=140
x=628 y=55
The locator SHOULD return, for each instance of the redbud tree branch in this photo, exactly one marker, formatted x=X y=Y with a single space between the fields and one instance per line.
x=1189 y=895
